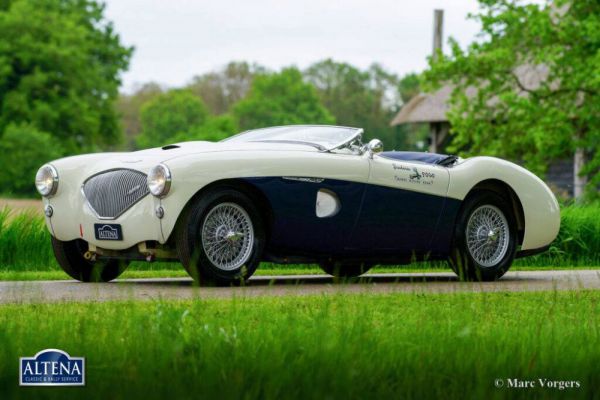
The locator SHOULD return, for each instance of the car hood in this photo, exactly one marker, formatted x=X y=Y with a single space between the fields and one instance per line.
x=144 y=160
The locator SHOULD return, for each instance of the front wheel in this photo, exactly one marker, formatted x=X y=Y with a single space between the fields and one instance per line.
x=221 y=237
x=485 y=239
x=70 y=257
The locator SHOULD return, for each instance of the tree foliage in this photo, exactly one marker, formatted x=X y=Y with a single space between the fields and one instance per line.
x=129 y=107
x=528 y=89
x=60 y=62
x=24 y=149
x=168 y=115
x=214 y=129
x=408 y=87
x=353 y=96
x=367 y=99
x=280 y=99
x=221 y=89
x=327 y=91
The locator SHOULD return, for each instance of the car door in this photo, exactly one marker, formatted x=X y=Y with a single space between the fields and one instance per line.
x=401 y=208
x=315 y=208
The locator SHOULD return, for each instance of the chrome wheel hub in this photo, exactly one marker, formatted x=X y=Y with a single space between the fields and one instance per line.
x=227 y=236
x=487 y=235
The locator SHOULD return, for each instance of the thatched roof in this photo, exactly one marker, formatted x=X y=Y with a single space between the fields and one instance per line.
x=432 y=107
x=425 y=107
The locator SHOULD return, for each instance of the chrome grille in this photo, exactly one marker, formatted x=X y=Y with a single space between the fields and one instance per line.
x=111 y=193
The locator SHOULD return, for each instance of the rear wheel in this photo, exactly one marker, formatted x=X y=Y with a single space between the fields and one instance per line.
x=344 y=270
x=221 y=237
x=70 y=257
x=485 y=240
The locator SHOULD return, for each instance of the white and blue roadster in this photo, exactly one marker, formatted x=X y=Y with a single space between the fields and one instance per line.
x=292 y=194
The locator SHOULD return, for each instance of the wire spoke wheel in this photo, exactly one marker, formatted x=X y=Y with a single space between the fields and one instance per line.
x=227 y=236
x=487 y=235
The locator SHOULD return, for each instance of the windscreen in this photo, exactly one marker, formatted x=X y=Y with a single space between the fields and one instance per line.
x=324 y=137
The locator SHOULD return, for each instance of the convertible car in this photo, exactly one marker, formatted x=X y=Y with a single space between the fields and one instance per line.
x=292 y=194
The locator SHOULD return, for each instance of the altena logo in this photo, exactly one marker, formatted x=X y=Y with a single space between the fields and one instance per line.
x=52 y=367
x=108 y=233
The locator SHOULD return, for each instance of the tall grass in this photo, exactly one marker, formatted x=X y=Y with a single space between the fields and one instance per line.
x=578 y=241
x=580 y=233
x=414 y=346
x=25 y=243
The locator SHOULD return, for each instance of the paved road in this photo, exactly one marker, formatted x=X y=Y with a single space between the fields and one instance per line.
x=182 y=288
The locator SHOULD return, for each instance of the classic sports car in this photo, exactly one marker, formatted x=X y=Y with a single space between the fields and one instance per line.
x=292 y=194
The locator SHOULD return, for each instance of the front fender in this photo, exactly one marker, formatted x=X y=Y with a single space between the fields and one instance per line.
x=540 y=207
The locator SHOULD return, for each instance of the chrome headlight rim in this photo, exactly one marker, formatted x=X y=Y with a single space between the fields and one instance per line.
x=52 y=187
x=162 y=189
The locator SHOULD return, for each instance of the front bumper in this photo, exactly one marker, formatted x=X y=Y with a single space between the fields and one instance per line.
x=73 y=218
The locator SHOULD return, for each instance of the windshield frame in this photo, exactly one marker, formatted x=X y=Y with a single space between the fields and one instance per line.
x=356 y=135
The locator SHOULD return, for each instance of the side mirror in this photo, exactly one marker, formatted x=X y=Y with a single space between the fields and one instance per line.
x=374 y=146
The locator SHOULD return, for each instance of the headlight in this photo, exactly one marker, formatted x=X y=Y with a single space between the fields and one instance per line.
x=159 y=180
x=46 y=180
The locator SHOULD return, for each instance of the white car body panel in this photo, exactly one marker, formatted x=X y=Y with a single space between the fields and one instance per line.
x=540 y=208
x=197 y=164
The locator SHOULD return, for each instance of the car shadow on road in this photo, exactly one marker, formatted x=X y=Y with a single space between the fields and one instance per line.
x=283 y=280
x=320 y=280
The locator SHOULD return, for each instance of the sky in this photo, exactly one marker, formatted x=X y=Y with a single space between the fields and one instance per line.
x=177 y=39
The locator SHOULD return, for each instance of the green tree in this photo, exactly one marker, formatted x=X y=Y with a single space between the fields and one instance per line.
x=173 y=113
x=280 y=99
x=221 y=89
x=344 y=90
x=529 y=88
x=366 y=99
x=409 y=86
x=24 y=149
x=60 y=66
x=214 y=129
x=129 y=107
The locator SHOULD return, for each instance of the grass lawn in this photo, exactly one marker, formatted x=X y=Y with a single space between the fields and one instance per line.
x=450 y=346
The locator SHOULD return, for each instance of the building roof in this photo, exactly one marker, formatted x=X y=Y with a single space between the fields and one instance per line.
x=425 y=107
x=432 y=107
